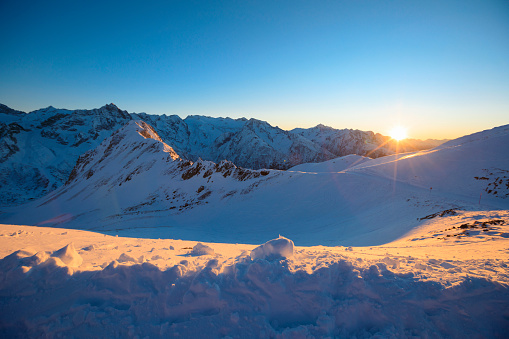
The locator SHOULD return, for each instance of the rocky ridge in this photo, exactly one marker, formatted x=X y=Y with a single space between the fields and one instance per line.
x=38 y=150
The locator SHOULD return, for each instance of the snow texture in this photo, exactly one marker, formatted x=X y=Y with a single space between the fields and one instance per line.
x=420 y=286
x=68 y=256
x=201 y=249
x=280 y=248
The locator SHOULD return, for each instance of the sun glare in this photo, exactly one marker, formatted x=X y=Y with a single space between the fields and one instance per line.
x=398 y=133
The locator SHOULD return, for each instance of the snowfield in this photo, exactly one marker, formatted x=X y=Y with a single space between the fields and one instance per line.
x=424 y=285
x=142 y=243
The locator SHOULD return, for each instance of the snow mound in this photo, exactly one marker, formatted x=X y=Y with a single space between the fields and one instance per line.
x=200 y=249
x=274 y=249
x=68 y=256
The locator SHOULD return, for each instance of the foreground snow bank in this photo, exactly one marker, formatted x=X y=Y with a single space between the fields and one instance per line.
x=265 y=297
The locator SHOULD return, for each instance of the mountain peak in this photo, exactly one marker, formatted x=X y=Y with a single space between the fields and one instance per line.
x=111 y=106
x=121 y=150
x=323 y=127
x=256 y=122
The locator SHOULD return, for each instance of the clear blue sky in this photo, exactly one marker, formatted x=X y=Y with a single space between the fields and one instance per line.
x=441 y=68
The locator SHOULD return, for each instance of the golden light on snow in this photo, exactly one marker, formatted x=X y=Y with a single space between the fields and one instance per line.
x=398 y=133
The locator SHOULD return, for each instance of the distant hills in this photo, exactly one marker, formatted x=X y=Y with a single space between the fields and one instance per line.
x=38 y=150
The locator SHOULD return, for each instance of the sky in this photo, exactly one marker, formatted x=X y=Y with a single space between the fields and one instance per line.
x=439 y=68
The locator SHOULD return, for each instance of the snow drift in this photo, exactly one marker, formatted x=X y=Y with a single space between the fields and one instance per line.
x=267 y=296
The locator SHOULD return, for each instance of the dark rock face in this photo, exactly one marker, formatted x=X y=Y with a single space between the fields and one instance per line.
x=8 y=141
x=440 y=214
x=226 y=168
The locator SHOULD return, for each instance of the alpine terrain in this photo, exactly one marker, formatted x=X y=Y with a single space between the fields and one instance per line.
x=140 y=240
x=38 y=150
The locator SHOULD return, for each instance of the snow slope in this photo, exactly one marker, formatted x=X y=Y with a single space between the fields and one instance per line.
x=38 y=150
x=130 y=185
x=434 y=261
x=59 y=282
x=335 y=165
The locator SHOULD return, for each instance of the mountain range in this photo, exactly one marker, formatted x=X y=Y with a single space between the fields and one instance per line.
x=133 y=183
x=38 y=150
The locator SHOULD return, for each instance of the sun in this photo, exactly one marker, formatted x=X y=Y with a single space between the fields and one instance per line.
x=398 y=133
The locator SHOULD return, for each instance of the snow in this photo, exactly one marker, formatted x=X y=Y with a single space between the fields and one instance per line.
x=334 y=165
x=399 y=246
x=421 y=286
x=69 y=256
x=133 y=186
x=274 y=249
x=200 y=249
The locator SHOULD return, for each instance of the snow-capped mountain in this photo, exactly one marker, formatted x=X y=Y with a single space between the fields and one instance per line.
x=247 y=143
x=136 y=164
x=341 y=142
x=38 y=150
x=135 y=183
x=133 y=173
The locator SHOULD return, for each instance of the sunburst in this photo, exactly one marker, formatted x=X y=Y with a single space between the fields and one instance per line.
x=398 y=133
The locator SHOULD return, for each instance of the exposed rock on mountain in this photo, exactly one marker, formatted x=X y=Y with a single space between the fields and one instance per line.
x=38 y=150
x=133 y=172
x=259 y=145
x=341 y=142
x=9 y=111
x=248 y=143
x=133 y=182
